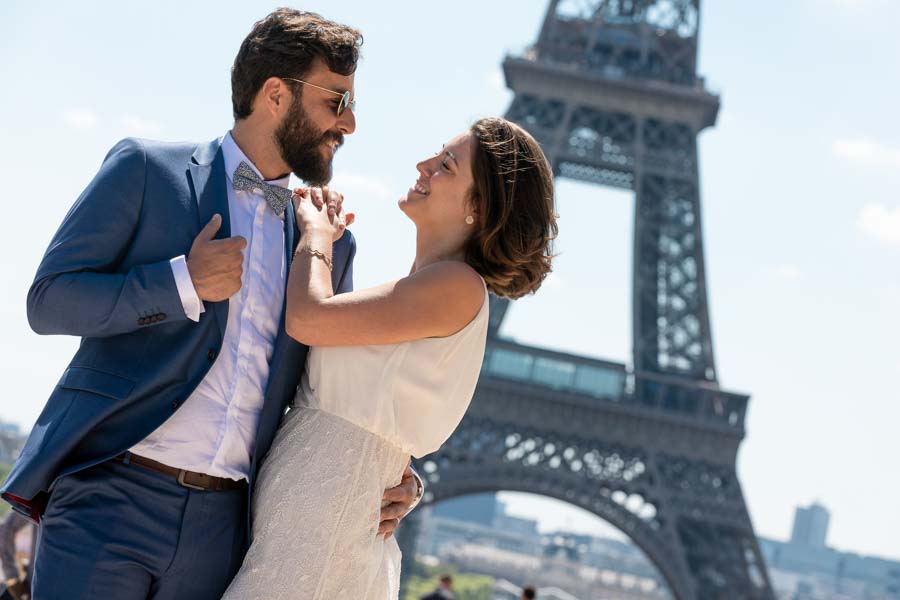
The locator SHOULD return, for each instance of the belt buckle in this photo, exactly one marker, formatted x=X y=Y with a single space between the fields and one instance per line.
x=181 y=481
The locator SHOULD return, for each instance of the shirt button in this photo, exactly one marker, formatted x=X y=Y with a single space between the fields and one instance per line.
x=211 y=355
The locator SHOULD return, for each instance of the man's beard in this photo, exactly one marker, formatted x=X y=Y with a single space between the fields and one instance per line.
x=301 y=146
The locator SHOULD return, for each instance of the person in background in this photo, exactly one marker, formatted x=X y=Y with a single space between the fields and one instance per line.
x=444 y=591
x=18 y=584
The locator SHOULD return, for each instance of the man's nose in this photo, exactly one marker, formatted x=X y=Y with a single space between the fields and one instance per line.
x=347 y=122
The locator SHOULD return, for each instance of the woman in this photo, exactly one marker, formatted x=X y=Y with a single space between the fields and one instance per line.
x=392 y=368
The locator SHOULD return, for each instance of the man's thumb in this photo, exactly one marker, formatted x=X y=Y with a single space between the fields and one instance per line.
x=209 y=232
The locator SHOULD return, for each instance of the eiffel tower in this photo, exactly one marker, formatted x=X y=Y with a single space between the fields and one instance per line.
x=610 y=90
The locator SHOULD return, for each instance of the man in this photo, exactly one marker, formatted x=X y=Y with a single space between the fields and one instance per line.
x=172 y=266
x=444 y=590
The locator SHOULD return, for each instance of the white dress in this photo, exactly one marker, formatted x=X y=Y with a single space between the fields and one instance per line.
x=359 y=413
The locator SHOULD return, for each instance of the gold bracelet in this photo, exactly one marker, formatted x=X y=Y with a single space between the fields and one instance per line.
x=318 y=254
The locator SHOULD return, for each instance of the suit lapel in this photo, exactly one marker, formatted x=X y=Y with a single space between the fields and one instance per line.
x=207 y=175
x=289 y=237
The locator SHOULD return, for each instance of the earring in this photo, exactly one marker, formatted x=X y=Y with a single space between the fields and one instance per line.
x=470 y=220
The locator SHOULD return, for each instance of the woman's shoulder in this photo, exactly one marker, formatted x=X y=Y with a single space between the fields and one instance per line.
x=453 y=282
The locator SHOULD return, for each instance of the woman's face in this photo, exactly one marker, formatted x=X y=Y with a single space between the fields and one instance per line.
x=440 y=196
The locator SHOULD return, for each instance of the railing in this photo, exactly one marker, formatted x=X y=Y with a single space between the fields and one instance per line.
x=609 y=381
x=698 y=399
x=554 y=370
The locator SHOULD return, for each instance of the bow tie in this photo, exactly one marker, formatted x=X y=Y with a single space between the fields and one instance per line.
x=246 y=180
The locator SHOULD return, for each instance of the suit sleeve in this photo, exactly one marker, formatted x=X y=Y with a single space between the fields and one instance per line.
x=79 y=288
x=345 y=283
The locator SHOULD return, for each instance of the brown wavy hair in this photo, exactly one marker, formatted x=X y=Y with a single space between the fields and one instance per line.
x=512 y=196
x=285 y=44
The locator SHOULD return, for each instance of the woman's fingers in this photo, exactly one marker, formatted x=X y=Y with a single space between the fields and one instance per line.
x=317 y=197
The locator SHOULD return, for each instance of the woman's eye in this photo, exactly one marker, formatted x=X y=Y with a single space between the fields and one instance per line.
x=444 y=164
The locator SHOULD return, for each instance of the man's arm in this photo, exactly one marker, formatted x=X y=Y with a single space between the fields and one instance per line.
x=77 y=290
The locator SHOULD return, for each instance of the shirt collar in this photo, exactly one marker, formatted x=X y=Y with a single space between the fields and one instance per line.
x=234 y=155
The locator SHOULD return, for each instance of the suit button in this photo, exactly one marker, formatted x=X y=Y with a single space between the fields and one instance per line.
x=162 y=316
x=142 y=321
x=174 y=404
x=211 y=355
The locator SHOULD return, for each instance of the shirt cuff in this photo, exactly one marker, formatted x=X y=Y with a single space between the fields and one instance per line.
x=190 y=301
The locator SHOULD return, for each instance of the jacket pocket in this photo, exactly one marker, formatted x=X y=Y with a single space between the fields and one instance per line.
x=97 y=382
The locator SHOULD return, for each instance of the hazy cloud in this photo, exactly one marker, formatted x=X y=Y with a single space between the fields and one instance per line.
x=554 y=281
x=787 y=272
x=138 y=126
x=867 y=151
x=880 y=223
x=359 y=187
x=79 y=118
x=496 y=81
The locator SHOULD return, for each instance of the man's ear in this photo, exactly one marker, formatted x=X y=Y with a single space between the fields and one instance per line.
x=275 y=96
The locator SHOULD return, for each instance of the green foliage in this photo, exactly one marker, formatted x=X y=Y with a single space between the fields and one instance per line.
x=466 y=586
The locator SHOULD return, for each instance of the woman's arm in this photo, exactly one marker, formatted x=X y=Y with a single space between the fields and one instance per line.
x=436 y=301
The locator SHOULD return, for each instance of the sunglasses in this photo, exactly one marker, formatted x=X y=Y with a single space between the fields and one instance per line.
x=346 y=100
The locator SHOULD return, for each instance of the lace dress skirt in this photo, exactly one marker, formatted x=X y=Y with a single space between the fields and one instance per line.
x=315 y=514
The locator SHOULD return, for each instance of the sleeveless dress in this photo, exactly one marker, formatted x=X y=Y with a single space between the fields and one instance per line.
x=359 y=413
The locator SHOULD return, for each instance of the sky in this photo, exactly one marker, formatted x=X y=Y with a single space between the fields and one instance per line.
x=800 y=188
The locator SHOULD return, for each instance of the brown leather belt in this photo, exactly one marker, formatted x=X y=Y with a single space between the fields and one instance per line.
x=189 y=479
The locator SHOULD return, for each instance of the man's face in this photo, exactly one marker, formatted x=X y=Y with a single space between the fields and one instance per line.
x=311 y=131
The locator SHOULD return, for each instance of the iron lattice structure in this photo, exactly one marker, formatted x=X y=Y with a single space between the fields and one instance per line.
x=611 y=91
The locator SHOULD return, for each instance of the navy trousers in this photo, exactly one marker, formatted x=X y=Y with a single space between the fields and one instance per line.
x=123 y=532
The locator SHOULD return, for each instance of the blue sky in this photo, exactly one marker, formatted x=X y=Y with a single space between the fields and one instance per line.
x=800 y=183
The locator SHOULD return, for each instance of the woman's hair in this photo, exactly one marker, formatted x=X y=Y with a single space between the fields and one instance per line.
x=284 y=44
x=512 y=196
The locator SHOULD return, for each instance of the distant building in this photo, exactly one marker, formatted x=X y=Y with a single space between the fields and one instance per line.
x=810 y=526
x=477 y=508
x=514 y=549
x=806 y=569
x=439 y=534
x=11 y=441
x=524 y=527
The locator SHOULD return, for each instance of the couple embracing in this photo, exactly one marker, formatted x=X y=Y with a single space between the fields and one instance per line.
x=238 y=421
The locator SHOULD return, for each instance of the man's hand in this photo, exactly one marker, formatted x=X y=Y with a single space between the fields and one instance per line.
x=216 y=266
x=397 y=501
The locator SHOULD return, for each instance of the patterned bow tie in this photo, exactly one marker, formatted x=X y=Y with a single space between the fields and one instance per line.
x=246 y=180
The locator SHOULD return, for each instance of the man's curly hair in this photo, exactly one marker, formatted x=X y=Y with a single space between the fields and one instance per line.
x=285 y=44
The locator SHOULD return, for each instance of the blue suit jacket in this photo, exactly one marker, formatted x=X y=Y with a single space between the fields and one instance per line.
x=106 y=277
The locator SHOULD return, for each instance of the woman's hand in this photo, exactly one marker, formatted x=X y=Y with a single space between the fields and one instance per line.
x=321 y=209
